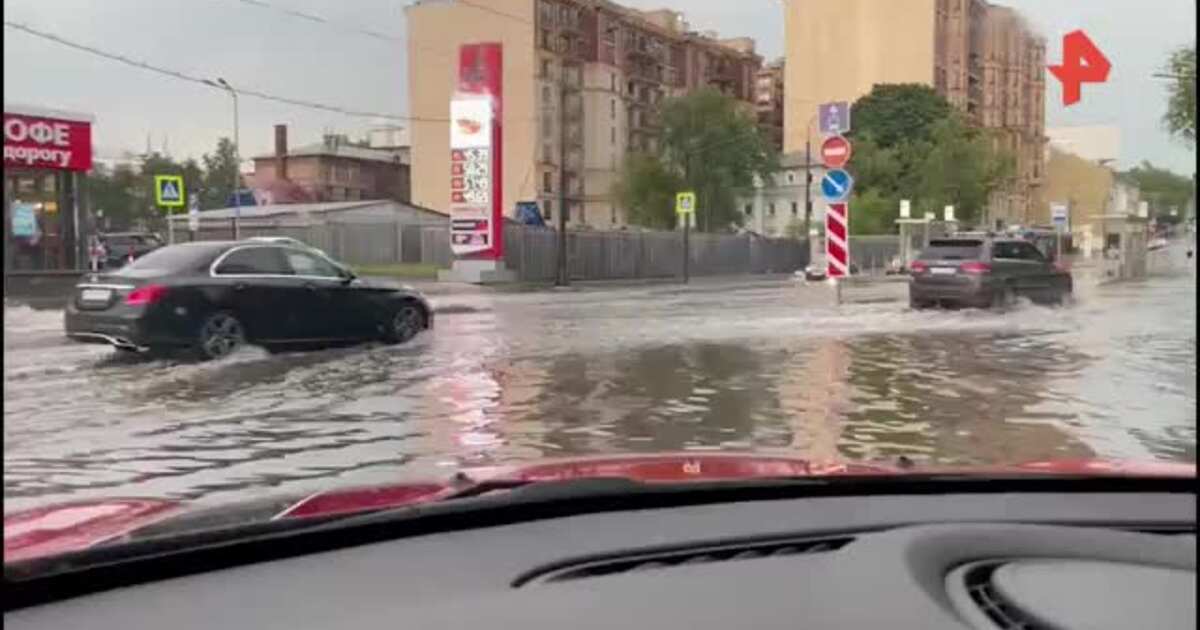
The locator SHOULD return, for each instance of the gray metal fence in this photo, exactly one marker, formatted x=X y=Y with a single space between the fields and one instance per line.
x=533 y=251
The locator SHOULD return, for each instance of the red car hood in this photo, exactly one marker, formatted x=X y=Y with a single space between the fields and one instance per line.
x=65 y=527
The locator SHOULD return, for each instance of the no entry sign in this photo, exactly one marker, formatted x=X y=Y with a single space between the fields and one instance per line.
x=835 y=152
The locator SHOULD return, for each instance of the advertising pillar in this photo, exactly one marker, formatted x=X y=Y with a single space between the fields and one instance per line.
x=477 y=167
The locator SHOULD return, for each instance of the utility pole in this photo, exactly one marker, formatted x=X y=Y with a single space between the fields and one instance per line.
x=563 y=278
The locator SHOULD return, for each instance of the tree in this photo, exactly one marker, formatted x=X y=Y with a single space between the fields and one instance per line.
x=909 y=143
x=898 y=113
x=961 y=170
x=111 y=192
x=1180 y=118
x=709 y=144
x=220 y=168
x=1161 y=188
x=646 y=189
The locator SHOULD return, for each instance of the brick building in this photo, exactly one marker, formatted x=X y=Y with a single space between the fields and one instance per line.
x=334 y=169
x=583 y=82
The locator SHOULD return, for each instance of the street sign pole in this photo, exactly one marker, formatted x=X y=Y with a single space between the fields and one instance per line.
x=685 y=210
x=170 y=228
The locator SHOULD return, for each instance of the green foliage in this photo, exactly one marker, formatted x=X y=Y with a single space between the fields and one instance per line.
x=126 y=195
x=646 y=189
x=871 y=212
x=1180 y=118
x=710 y=144
x=909 y=143
x=220 y=169
x=961 y=170
x=1161 y=188
x=898 y=113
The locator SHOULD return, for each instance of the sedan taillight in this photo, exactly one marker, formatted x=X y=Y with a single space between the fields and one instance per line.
x=148 y=294
x=918 y=267
x=975 y=268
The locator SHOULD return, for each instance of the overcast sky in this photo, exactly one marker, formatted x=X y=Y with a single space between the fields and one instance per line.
x=273 y=52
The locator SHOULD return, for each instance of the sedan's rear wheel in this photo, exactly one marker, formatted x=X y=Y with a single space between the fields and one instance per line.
x=220 y=335
x=407 y=321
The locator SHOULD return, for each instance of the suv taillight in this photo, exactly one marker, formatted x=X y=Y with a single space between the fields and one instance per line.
x=918 y=267
x=148 y=294
x=975 y=268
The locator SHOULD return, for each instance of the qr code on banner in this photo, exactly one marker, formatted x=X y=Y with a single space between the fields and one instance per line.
x=477 y=170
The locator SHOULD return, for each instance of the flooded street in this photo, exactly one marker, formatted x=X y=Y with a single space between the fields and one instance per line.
x=764 y=366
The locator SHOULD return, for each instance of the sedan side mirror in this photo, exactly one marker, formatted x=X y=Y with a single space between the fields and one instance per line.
x=348 y=276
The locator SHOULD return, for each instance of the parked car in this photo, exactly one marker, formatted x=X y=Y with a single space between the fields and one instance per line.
x=212 y=297
x=985 y=272
x=816 y=270
x=122 y=247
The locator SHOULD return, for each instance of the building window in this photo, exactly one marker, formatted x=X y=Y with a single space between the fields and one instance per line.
x=547 y=182
x=612 y=212
x=612 y=81
x=771 y=208
x=547 y=126
x=612 y=132
x=548 y=209
x=749 y=209
x=546 y=95
x=791 y=178
x=612 y=109
x=795 y=208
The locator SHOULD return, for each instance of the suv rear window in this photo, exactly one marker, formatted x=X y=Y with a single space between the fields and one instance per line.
x=958 y=249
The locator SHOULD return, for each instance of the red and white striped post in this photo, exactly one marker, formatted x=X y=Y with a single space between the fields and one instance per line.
x=837 y=240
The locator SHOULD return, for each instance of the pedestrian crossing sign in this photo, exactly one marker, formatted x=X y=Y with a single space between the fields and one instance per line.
x=168 y=191
x=685 y=203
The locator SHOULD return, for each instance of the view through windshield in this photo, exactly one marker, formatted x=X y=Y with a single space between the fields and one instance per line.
x=957 y=233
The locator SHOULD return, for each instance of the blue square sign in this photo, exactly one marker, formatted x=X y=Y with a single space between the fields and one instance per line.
x=834 y=117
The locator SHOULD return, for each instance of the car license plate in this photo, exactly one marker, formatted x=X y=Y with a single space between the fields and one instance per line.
x=942 y=271
x=96 y=295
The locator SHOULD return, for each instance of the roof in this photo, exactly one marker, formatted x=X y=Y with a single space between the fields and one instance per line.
x=293 y=209
x=342 y=150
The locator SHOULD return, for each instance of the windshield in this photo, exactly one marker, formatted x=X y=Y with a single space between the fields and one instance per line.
x=477 y=235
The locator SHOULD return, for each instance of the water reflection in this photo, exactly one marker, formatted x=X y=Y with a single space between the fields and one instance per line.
x=531 y=376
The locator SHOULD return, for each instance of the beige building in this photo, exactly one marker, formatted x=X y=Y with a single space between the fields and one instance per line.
x=582 y=84
x=983 y=58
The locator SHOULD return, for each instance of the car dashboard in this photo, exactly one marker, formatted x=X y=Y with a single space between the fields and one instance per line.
x=985 y=561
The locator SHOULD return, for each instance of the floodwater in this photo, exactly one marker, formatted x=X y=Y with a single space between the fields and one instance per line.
x=762 y=366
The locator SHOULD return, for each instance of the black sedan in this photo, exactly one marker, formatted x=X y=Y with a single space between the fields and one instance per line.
x=985 y=272
x=212 y=297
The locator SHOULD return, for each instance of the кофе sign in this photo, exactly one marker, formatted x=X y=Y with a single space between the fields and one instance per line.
x=46 y=142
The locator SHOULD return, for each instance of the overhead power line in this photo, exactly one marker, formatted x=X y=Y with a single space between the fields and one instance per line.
x=207 y=82
x=322 y=20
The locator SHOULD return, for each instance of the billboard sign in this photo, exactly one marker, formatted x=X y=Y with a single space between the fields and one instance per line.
x=476 y=215
x=44 y=142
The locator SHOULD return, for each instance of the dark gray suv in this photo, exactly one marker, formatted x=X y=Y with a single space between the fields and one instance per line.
x=985 y=272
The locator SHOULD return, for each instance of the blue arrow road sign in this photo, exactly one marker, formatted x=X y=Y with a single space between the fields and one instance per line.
x=834 y=118
x=836 y=185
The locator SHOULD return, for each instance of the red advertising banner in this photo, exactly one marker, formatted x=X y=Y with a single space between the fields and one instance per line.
x=47 y=143
x=476 y=155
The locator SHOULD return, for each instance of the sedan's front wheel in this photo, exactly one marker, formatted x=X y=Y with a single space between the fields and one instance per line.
x=407 y=321
x=220 y=335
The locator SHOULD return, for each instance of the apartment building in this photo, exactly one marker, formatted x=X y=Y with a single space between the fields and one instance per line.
x=769 y=102
x=583 y=81
x=984 y=58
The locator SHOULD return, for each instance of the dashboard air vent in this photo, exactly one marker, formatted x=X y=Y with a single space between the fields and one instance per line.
x=978 y=581
x=663 y=559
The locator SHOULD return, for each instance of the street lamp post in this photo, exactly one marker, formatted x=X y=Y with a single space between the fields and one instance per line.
x=237 y=160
